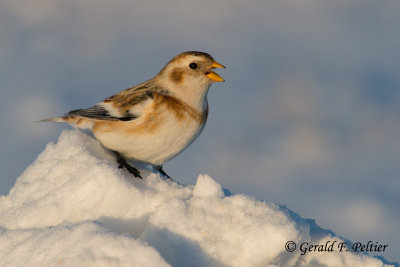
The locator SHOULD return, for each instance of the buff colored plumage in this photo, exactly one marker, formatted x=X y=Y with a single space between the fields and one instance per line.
x=153 y=121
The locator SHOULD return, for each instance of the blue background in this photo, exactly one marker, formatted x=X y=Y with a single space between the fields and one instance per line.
x=308 y=116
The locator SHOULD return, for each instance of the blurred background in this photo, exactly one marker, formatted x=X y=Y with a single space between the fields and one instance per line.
x=309 y=115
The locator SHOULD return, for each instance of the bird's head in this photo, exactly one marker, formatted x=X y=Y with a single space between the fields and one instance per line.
x=190 y=71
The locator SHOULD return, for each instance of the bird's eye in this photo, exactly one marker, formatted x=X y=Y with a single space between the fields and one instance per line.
x=193 y=66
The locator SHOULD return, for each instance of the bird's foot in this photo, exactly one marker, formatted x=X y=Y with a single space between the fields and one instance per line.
x=161 y=171
x=122 y=163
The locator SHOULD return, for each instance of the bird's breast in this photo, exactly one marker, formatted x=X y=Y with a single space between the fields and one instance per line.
x=161 y=133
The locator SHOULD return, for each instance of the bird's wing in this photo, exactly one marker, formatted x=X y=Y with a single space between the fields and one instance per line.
x=101 y=112
x=126 y=105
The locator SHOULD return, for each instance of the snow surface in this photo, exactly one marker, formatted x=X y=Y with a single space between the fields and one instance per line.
x=74 y=207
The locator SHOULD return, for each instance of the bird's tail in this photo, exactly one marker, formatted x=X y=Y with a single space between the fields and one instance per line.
x=55 y=119
x=75 y=121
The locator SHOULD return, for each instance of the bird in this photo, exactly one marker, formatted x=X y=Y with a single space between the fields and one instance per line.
x=156 y=120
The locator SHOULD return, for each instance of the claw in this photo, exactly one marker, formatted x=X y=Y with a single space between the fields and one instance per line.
x=122 y=163
x=161 y=171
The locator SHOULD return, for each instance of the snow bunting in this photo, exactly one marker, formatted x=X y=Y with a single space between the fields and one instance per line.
x=154 y=121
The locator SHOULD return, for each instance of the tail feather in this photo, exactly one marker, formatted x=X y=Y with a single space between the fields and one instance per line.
x=74 y=121
x=54 y=119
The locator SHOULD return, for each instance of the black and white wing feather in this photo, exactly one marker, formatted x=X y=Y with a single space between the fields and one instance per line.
x=102 y=112
x=126 y=105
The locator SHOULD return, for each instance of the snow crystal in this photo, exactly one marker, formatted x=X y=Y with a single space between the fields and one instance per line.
x=207 y=187
x=74 y=207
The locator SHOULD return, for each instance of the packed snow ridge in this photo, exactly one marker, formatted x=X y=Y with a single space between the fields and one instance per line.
x=74 y=207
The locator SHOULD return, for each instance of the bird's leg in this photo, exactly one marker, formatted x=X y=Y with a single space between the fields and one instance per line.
x=122 y=163
x=160 y=170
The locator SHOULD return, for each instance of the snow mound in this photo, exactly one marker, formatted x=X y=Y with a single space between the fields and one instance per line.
x=74 y=207
x=81 y=244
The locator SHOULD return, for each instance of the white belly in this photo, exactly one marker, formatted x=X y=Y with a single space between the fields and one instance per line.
x=155 y=146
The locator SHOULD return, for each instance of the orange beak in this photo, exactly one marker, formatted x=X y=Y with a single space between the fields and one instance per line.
x=215 y=76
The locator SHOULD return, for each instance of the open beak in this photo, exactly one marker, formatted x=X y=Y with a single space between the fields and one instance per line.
x=213 y=75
